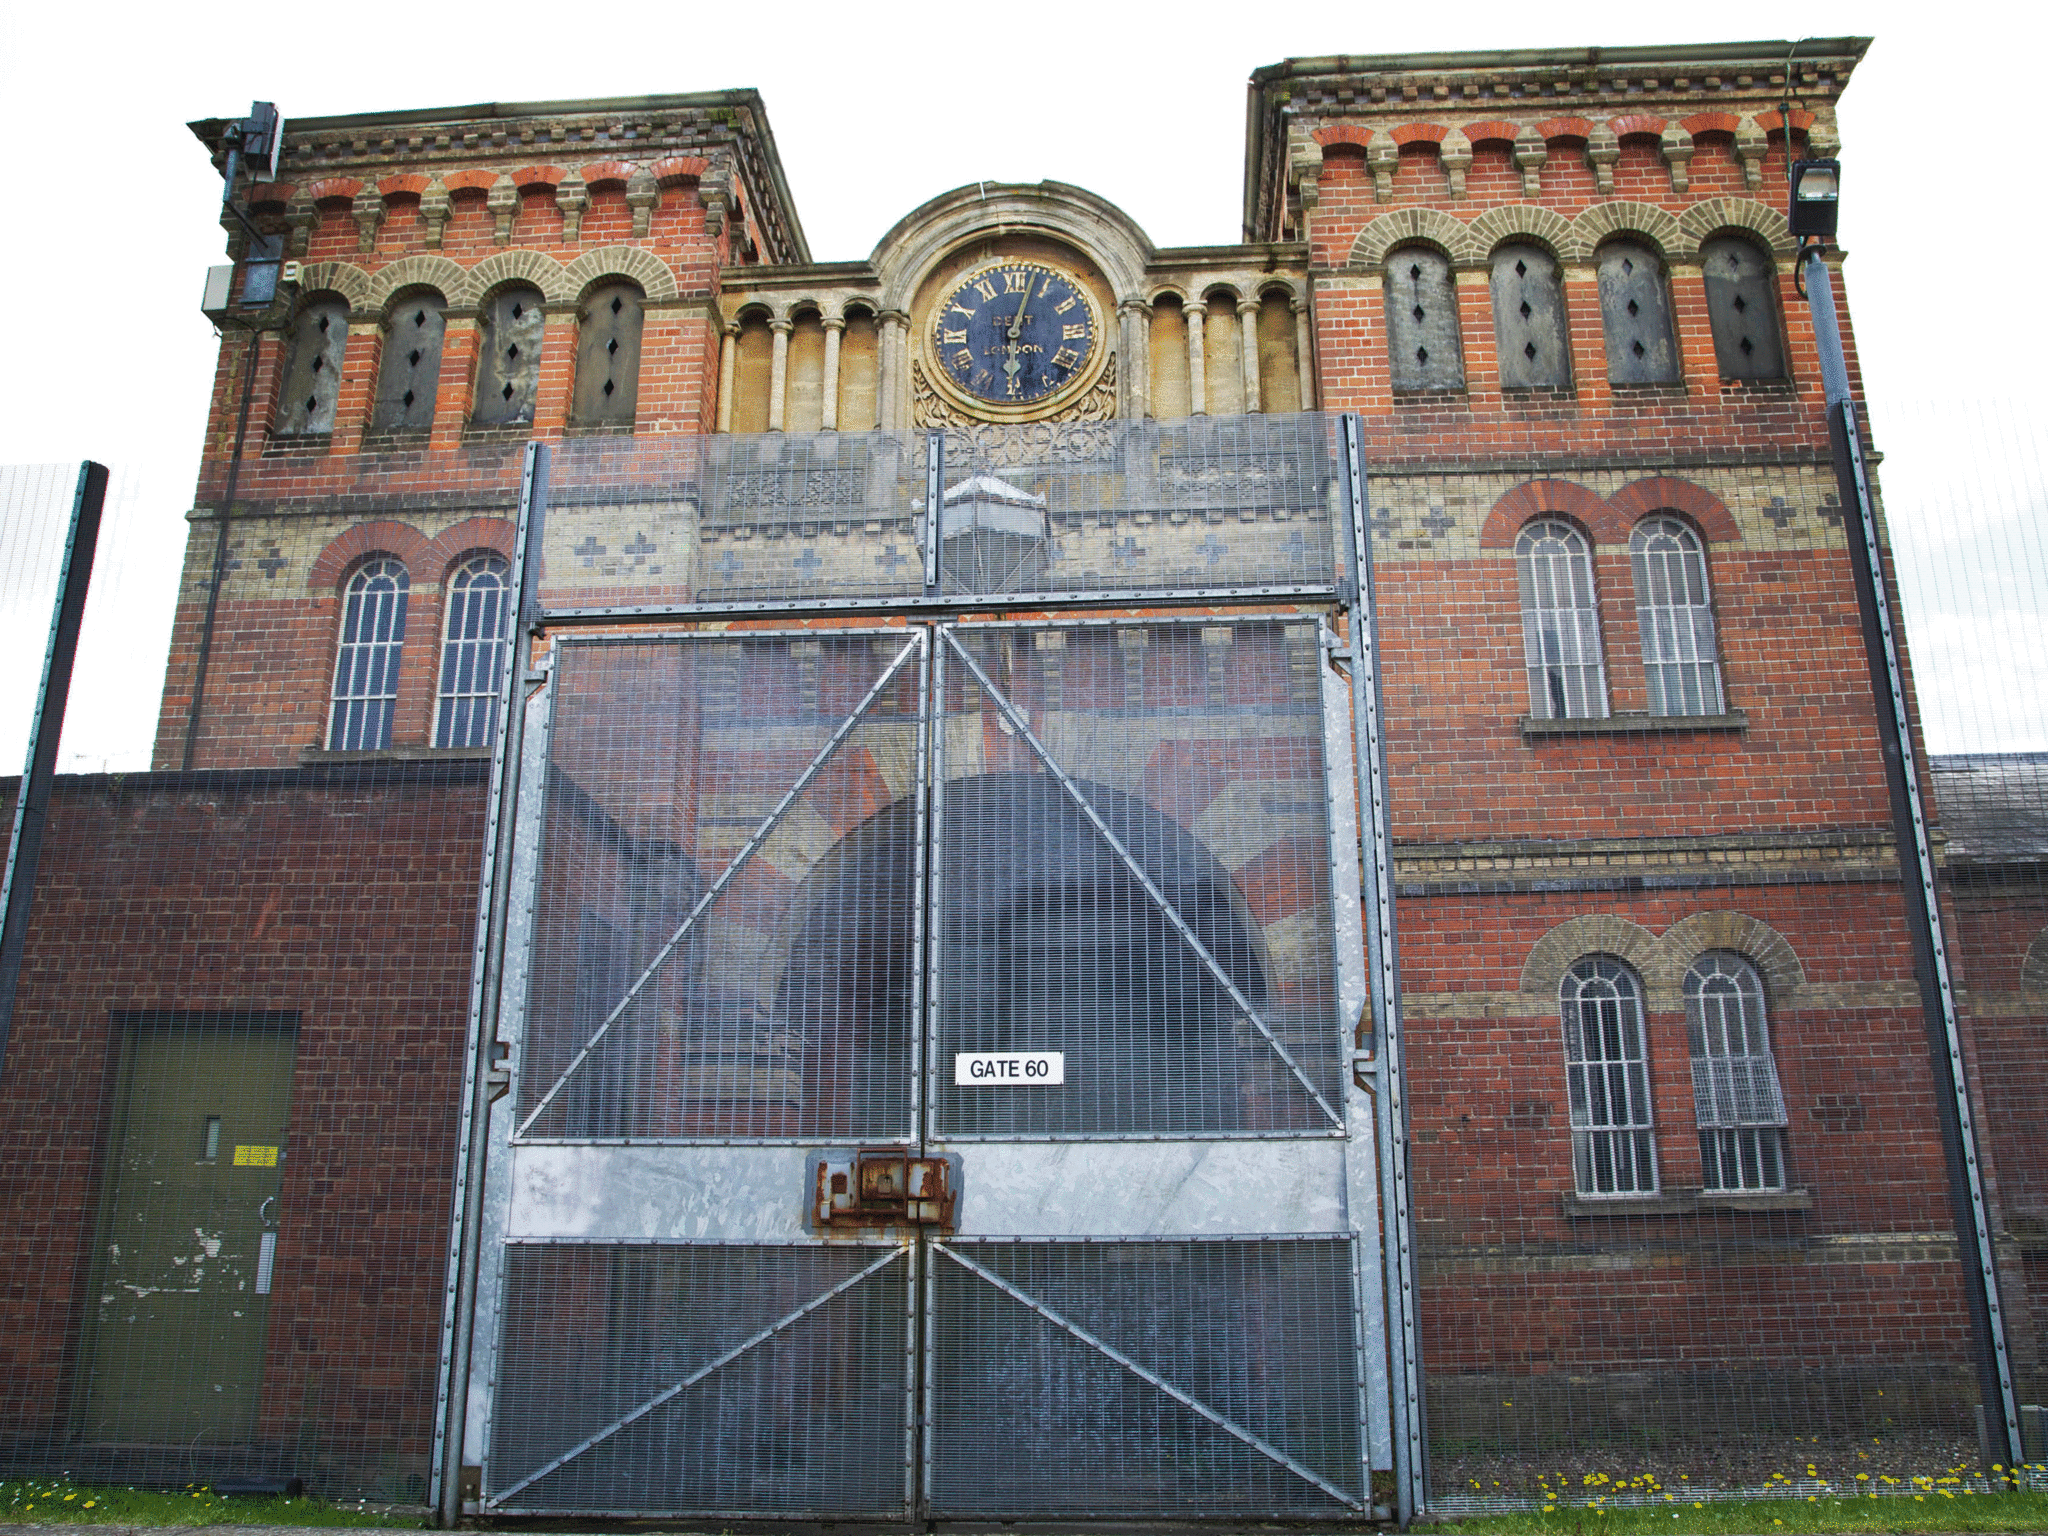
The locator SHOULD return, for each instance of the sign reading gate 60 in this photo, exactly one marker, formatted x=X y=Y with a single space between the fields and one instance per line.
x=990 y=1069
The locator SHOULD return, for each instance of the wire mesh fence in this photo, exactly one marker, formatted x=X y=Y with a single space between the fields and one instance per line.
x=1684 y=1214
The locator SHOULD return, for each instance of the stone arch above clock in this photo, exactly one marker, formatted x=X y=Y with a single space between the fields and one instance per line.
x=850 y=346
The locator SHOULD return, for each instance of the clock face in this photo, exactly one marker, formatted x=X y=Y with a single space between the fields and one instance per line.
x=1016 y=334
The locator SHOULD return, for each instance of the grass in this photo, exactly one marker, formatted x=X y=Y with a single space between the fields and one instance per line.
x=1940 y=1510
x=59 y=1501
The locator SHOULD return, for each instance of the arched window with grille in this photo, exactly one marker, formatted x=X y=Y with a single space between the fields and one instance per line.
x=1529 y=329
x=508 y=357
x=1635 y=315
x=1607 y=1062
x=410 y=371
x=1424 y=351
x=608 y=356
x=1681 y=656
x=1737 y=1102
x=473 y=650
x=366 y=660
x=1560 y=623
x=1742 y=307
x=312 y=379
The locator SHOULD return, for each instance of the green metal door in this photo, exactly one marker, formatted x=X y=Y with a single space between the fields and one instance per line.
x=188 y=1231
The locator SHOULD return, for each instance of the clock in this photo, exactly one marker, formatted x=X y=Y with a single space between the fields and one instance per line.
x=1015 y=339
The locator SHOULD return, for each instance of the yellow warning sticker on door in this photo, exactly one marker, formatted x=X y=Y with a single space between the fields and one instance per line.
x=255 y=1157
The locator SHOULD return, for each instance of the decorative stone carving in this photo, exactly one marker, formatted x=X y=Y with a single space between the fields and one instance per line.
x=502 y=203
x=928 y=408
x=434 y=210
x=642 y=196
x=1603 y=153
x=368 y=211
x=1456 y=154
x=572 y=196
x=1382 y=157
x=1676 y=146
x=1751 y=145
x=1531 y=155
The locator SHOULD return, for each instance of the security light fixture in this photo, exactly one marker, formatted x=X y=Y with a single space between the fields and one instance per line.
x=1816 y=188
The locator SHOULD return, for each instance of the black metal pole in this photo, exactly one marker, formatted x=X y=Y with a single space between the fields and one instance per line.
x=46 y=729
x=1917 y=874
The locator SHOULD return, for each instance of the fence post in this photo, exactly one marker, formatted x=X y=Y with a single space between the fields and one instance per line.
x=46 y=730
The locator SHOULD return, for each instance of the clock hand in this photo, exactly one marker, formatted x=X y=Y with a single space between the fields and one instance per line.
x=1017 y=325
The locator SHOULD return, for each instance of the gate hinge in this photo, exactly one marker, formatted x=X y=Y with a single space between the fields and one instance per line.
x=885 y=1188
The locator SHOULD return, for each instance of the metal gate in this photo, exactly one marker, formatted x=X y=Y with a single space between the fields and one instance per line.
x=936 y=1080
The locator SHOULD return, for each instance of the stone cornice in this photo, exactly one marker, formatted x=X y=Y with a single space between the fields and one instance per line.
x=729 y=128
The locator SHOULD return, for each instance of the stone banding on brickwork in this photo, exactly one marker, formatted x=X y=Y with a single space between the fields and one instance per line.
x=1662 y=960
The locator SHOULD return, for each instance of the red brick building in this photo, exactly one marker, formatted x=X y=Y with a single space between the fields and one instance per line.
x=1676 y=1153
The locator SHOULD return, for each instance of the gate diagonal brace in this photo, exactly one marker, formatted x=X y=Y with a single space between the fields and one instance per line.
x=1153 y=1379
x=753 y=845
x=1022 y=726
x=698 y=1375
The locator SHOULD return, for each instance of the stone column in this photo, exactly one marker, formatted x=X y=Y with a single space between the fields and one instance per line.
x=728 y=361
x=778 y=374
x=829 y=405
x=890 y=381
x=1248 y=352
x=1134 y=358
x=1198 y=375
x=1304 y=355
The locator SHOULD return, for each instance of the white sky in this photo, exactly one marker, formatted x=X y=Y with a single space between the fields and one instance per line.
x=113 y=207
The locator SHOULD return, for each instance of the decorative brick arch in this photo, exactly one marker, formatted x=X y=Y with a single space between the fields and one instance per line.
x=1703 y=221
x=1637 y=123
x=1521 y=221
x=1565 y=128
x=1343 y=133
x=1750 y=937
x=538 y=176
x=1643 y=221
x=1540 y=498
x=605 y=173
x=441 y=554
x=1424 y=226
x=330 y=188
x=1491 y=133
x=1711 y=122
x=445 y=277
x=340 y=277
x=1574 y=940
x=656 y=281
x=679 y=169
x=544 y=272
x=469 y=181
x=1414 y=133
x=1667 y=493
x=401 y=541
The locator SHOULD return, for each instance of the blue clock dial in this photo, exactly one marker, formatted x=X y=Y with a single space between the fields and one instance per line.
x=1014 y=333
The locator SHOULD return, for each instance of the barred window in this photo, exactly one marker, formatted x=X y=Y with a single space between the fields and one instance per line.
x=1736 y=1099
x=366 y=661
x=1681 y=659
x=1613 y=1149
x=1560 y=623
x=473 y=648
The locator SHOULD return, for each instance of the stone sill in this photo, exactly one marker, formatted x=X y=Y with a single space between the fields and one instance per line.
x=1631 y=724
x=600 y=429
x=298 y=445
x=1685 y=1202
x=311 y=755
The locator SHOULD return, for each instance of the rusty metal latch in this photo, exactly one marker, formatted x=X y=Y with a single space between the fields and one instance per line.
x=887 y=1188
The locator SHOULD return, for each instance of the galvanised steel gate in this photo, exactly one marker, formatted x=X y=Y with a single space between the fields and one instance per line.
x=932 y=1073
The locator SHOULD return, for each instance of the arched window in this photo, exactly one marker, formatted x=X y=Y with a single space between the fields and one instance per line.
x=1736 y=1098
x=1681 y=660
x=1528 y=319
x=508 y=361
x=1560 y=623
x=411 y=369
x=1635 y=314
x=1423 y=348
x=366 y=661
x=312 y=380
x=608 y=356
x=1608 y=1063
x=473 y=649
x=1742 y=305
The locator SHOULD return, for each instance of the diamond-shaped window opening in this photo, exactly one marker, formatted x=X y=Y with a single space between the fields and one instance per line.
x=408 y=397
x=609 y=386
x=419 y=317
x=324 y=321
x=1526 y=310
x=1422 y=354
x=1415 y=272
x=1741 y=304
x=617 y=304
x=507 y=391
x=1522 y=270
x=1529 y=349
x=512 y=352
x=1636 y=347
x=312 y=404
x=612 y=346
x=1748 y=346
x=319 y=363
x=1634 y=308
x=1628 y=265
x=518 y=309
x=1418 y=312
x=413 y=357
